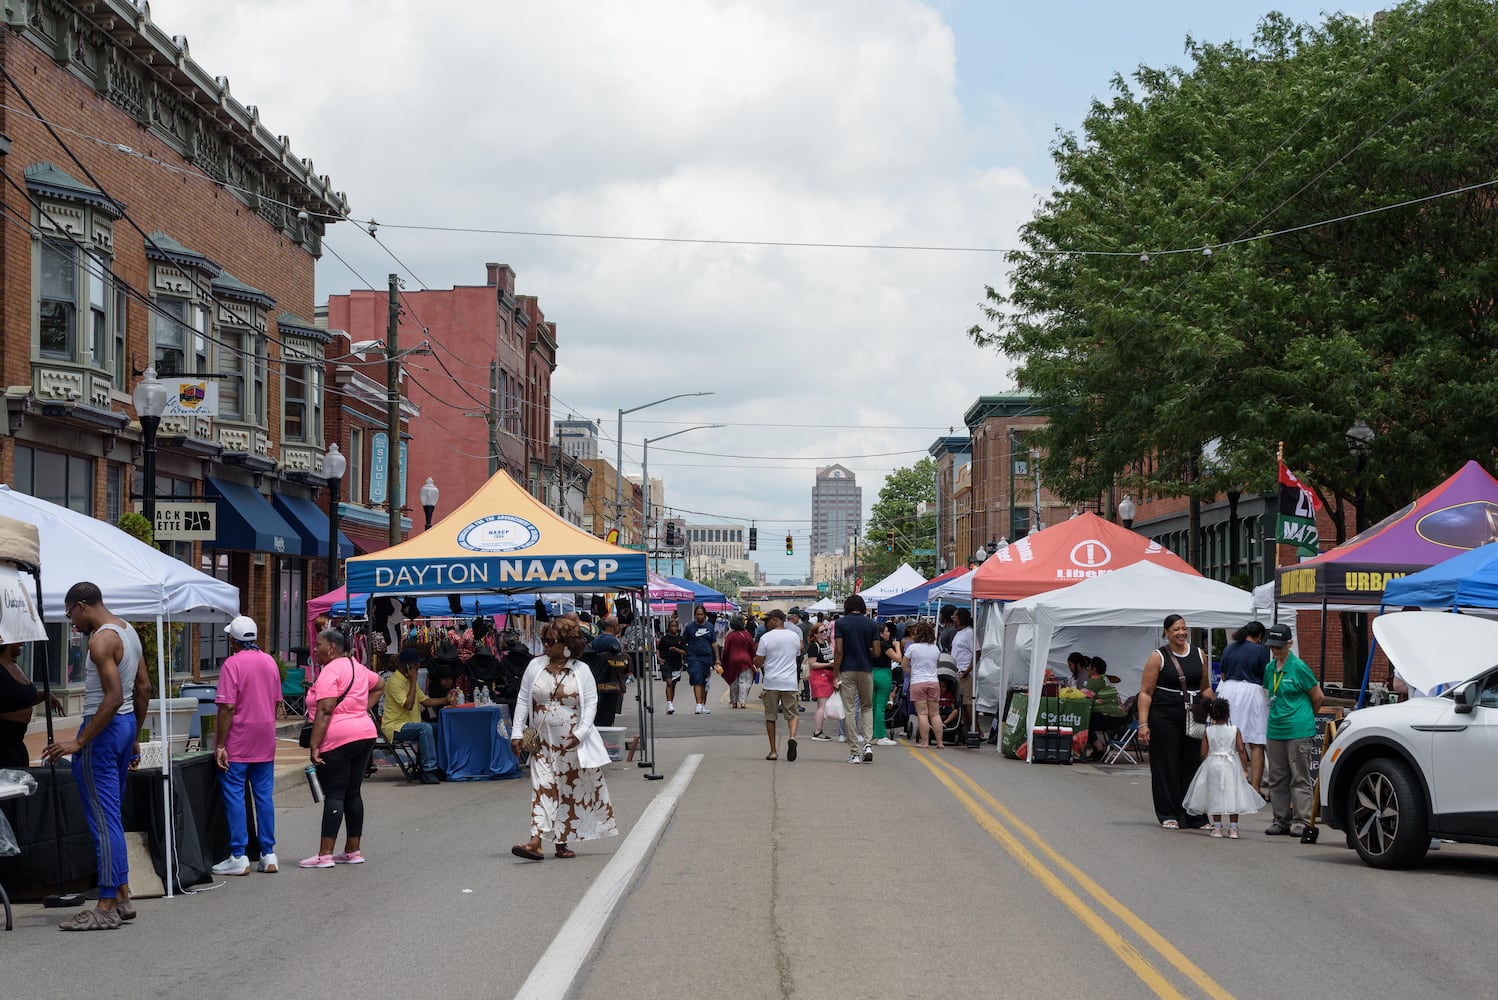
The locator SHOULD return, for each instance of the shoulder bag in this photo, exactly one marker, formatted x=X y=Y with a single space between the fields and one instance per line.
x=304 y=738
x=1196 y=709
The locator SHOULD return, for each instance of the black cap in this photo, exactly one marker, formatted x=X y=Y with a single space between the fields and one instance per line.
x=1277 y=636
x=409 y=655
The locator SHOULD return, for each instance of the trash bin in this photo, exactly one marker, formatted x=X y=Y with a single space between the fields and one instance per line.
x=613 y=741
x=206 y=695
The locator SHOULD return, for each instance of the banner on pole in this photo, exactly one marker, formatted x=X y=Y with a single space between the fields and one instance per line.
x=1296 y=522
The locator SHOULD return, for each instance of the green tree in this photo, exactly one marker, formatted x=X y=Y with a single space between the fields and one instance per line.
x=1387 y=317
x=903 y=508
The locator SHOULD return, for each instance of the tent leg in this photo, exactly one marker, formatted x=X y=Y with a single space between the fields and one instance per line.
x=169 y=846
x=1321 y=669
x=1368 y=668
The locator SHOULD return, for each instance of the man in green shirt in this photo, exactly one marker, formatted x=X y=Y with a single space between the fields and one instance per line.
x=1294 y=699
x=402 y=719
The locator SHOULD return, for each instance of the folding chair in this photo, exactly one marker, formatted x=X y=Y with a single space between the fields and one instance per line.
x=294 y=692
x=407 y=755
x=1124 y=746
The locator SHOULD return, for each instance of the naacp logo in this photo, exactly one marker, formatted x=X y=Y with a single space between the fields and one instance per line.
x=1091 y=554
x=499 y=533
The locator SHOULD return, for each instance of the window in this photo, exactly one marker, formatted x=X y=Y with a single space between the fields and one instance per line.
x=99 y=340
x=355 y=477
x=118 y=365
x=58 y=308
x=258 y=365
x=169 y=334
x=113 y=501
x=294 y=418
x=67 y=480
x=231 y=365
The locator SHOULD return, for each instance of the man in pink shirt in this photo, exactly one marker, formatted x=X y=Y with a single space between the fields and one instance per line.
x=249 y=689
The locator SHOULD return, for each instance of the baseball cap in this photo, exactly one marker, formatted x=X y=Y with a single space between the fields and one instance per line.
x=241 y=629
x=409 y=655
x=1277 y=636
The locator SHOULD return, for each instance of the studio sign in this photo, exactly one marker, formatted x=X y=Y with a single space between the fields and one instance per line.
x=499 y=533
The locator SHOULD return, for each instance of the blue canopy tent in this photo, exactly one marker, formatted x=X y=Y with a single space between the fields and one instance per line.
x=1468 y=580
x=917 y=600
x=700 y=594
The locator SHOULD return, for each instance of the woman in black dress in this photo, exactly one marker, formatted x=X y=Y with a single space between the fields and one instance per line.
x=1172 y=671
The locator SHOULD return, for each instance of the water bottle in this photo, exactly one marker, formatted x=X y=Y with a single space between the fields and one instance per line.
x=312 y=783
x=459 y=700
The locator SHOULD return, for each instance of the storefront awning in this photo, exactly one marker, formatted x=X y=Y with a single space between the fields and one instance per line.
x=312 y=524
x=247 y=521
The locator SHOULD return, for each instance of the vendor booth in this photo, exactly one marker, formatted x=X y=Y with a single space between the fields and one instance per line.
x=697 y=593
x=825 y=605
x=1467 y=582
x=139 y=583
x=898 y=582
x=1071 y=552
x=1118 y=615
x=918 y=600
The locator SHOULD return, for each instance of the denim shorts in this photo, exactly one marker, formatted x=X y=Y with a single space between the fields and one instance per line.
x=698 y=672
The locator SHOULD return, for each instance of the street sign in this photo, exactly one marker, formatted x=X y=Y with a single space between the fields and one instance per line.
x=923 y=552
x=177 y=521
x=822 y=587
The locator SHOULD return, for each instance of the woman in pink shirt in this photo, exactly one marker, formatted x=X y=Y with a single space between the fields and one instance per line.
x=343 y=735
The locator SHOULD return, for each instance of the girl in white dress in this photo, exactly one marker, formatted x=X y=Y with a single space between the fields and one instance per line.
x=1221 y=783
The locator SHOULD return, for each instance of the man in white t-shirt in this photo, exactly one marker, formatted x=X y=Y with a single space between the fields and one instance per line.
x=776 y=659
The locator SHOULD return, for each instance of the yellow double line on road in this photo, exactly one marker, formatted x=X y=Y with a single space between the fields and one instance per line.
x=992 y=816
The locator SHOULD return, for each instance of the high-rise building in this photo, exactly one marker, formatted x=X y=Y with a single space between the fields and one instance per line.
x=836 y=509
x=576 y=437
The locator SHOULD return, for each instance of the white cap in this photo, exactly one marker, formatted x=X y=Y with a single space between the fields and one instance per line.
x=241 y=629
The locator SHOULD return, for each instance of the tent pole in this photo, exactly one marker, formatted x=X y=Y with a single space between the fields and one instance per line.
x=1368 y=667
x=650 y=670
x=61 y=897
x=169 y=844
x=1321 y=669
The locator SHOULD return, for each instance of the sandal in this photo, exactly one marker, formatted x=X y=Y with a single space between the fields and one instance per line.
x=92 y=920
x=1170 y=824
x=528 y=852
x=772 y=756
x=565 y=852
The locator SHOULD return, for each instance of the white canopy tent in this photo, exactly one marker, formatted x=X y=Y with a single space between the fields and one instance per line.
x=825 y=604
x=1118 y=616
x=958 y=588
x=902 y=579
x=139 y=583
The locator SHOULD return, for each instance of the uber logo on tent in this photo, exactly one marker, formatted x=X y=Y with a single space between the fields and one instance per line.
x=499 y=533
x=1091 y=554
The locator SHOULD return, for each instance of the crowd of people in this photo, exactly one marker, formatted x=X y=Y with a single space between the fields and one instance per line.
x=1212 y=751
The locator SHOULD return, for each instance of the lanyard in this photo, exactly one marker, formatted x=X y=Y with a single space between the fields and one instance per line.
x=1279 y=675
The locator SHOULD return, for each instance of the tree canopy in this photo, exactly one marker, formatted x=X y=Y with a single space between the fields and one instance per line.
x=904 y=508
x=1346 y=280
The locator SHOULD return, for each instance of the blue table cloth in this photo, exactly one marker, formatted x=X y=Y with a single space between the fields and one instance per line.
x=469 y=747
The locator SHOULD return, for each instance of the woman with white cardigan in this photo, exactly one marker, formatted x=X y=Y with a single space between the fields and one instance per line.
x=558 y=700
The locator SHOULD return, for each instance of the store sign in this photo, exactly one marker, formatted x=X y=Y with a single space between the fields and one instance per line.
x=191 y=398
x=177 y=521
x=379 y=466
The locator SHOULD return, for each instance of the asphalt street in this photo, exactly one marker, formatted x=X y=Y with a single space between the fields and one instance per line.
x=920 y=875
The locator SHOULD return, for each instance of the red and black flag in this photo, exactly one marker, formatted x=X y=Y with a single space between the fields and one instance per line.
x=1296 y=524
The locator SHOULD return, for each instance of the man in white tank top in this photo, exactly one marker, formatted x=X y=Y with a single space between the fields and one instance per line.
x=105 y=746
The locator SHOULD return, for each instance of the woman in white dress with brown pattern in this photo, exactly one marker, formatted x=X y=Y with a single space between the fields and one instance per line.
x=558 y=699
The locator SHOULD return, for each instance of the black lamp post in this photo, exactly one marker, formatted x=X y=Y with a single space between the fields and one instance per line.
x=1359 y=438
x=429 y=495
x=334 y=465
x=1126 y=512
x=150 y=404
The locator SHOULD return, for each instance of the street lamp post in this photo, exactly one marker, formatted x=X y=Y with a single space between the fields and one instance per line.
x=334 y=465
x=645 y=477
x=1359 y=440
x=150 y=404
x=1126 y=511
x=619 y=455
x=429 y=495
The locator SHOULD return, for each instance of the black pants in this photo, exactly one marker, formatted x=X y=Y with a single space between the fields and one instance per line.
x=341 y=774
x=1173 y=760
x=608 y=708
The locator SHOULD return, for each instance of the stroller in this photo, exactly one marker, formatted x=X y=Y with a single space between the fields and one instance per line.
x=950 y=708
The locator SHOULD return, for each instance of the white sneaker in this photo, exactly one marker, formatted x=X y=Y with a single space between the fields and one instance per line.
x=855 y=758
x=670 y=708
x=887 y=742
x=868 y=753
x=268 y=864
x=841 y=738
x=706 y=710
x=234 y=864
x=697 y=710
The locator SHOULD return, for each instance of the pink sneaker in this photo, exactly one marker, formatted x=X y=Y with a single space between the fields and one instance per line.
x=316 y=861
x=351 y=858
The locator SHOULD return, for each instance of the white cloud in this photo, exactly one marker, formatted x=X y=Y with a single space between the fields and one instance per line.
x=828 y=122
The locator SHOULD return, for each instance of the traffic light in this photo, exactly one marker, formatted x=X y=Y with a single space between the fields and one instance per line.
x=790 y=549
x=753 y=539
x=672 y=541
x=889 y=541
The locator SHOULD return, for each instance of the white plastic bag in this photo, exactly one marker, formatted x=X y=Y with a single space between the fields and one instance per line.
x=8 y=843
x=834 y=706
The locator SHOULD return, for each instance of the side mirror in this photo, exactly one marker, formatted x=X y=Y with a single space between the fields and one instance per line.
x=1466 y=699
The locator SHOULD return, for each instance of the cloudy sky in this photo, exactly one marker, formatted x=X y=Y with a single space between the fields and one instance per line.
x=803 y=121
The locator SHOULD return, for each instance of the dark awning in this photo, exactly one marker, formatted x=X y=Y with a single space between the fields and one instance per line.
x=312 y=524
x=247 y=521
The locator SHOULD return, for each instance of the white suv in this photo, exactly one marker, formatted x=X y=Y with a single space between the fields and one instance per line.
x=1398 y=775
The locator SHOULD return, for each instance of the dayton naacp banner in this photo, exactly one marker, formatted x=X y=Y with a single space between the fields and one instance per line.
x=503 y=540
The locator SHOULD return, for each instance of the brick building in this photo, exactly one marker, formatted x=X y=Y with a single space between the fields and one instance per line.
x=1008 y=499
x=481 y=399
x=598 y=508
x=952 y=454
x=182 y=236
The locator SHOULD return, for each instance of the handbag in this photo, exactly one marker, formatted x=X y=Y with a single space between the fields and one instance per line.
x=1196 y=709
x=530 y=740
x=304 y=737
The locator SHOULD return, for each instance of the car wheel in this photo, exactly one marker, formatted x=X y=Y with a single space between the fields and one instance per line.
x=1386 y=815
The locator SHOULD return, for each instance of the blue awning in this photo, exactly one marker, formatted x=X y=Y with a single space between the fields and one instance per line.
x=312 y=524
x=247 y=522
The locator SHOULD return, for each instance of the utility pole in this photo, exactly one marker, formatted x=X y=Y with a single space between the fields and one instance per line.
x=393 y=410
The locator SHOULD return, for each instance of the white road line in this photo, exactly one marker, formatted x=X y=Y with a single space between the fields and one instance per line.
x=553 y=974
